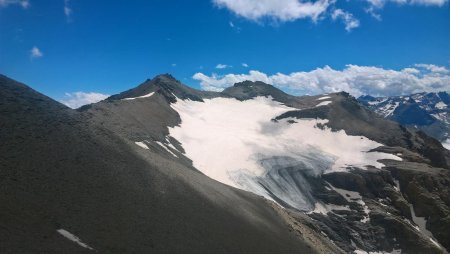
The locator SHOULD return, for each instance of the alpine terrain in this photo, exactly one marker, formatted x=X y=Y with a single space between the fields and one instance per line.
x=165 y=168
x=428 y=112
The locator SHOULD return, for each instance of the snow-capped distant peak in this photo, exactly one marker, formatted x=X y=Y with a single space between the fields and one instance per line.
x=428 y=112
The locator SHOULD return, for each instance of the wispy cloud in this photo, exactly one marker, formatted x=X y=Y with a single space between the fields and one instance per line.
x=346 y=17
x=24 y=3
x=35 y=52
x=357 y=80
x=376 y=5
x=222 y=66
x=67 y=10
x=78 y=99
x=433 y=68
x=245 y=65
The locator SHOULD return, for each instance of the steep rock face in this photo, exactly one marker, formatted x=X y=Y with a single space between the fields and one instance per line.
x=63 y=176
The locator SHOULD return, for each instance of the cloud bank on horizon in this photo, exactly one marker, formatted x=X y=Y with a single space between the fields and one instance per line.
x=354 y=79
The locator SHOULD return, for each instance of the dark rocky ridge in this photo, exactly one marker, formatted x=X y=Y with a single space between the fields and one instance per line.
x=61 y=170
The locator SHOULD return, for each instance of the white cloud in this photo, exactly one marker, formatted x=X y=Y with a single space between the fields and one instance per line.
x=428 y=2
x=222 y=66
x=218 y=83
x=411 y=70
x=78 y=99
x=35 y=52
x=279 y=10
x=346 y=17
x=174 y=65
x=433 y=68
x=291 y=10
x=24 y=3
x=67 y=9
x=357 y=80
x=245 y=65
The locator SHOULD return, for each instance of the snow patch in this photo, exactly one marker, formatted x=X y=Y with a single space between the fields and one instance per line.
x=324 y=98
x=166 y=148
x=353 y=196
x=326 y=208
x=440 y=105
x=143 y=96
x=397 y=185
x=169 y=144
x=388 y=109
x=446 y=144
x=141 y=144
x=323 y=103
x=377 y=101
x=399 y=251
x=73 y=238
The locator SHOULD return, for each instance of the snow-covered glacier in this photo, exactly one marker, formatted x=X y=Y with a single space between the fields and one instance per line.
x=239 y=144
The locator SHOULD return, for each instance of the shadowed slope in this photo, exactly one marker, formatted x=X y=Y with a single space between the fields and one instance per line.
x=60 y=172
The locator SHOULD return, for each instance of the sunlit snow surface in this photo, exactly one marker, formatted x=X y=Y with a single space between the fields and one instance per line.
x=237 y=143
x=73 y=238
x=143 y=96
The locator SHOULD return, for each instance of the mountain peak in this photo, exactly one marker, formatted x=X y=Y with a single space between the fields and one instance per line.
x=249 y=89
x=248 y=83
x=165 y=77
x=164 y=84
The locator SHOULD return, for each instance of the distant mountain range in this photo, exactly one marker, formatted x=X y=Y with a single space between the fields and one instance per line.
x=429 y=112
x=165 y=168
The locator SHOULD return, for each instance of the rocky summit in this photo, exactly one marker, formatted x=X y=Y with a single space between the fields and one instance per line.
x=165 y=168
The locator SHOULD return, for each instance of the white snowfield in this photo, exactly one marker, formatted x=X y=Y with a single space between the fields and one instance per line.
x=73 y=238
x=399 y=251
x=224 y=136
x=440 y=105
x=143 y=96
x=323 y=103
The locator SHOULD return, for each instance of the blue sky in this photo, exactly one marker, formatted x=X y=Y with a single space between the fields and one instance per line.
x=110 y=46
